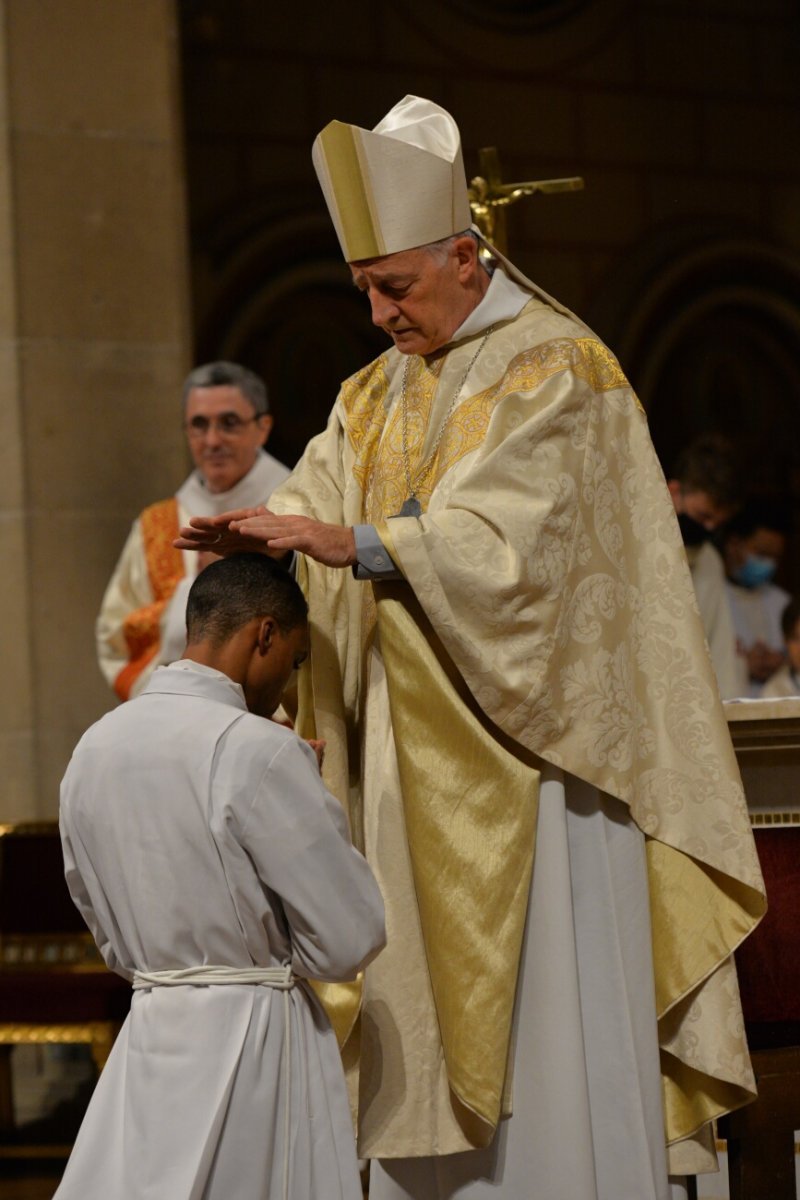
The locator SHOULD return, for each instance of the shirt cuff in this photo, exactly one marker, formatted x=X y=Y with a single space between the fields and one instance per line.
x=373 y=559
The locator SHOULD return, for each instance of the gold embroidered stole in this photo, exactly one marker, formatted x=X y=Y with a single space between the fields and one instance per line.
x=376 y=435
x=159 y=526
x=470 y=803
x=469 y=793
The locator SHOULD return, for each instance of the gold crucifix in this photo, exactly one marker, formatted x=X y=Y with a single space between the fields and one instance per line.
x=489 y=197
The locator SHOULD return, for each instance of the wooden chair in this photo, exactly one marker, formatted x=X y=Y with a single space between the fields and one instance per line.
x=761 y=1136
x=54 y=987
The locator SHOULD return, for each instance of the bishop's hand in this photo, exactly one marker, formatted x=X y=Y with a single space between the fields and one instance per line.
x=214 y=534
x=261 y=530
x=332 y=545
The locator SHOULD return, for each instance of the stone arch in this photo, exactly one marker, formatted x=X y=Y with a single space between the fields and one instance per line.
x=282 y=301
x=707 y=326
x=522 y=35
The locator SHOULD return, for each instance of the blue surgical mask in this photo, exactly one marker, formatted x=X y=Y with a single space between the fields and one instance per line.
x=755 y=571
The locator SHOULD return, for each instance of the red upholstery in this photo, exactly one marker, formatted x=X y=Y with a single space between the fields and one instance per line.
x=769 y=961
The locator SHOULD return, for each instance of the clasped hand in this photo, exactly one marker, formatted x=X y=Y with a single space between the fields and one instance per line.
x=267 y=533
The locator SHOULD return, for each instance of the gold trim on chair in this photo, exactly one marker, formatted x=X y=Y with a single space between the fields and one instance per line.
x=73 y=952
x=98 y=1035
x=37 y=960
x=28 y=828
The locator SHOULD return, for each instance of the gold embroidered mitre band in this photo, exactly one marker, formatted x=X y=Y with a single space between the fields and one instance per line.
x=397 y=186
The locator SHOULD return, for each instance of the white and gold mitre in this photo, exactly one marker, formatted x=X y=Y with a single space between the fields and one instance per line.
x=397 y=186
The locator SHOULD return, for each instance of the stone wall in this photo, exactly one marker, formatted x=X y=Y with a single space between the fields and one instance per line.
x=93 y=344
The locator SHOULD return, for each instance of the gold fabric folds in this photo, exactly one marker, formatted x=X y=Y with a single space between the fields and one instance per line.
x=698 y=917
x=470 y=807
x=341 y=1002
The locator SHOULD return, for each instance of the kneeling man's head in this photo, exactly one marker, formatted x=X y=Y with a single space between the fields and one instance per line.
x=247 y=617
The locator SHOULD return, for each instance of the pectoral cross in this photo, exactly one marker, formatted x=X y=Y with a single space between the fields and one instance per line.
x=410 y=508
x=489 y=197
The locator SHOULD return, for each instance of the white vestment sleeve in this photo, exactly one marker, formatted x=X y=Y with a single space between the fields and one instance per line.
x=302 y=852
x=80 y=897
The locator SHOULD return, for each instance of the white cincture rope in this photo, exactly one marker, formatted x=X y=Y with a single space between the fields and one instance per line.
x=276 y=977
x=280 y=978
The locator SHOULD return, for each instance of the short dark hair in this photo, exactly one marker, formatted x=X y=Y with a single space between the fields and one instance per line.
x=710 y=464
x=234 y=590
x=789 y=617
x=757 y=514
x=228 y=374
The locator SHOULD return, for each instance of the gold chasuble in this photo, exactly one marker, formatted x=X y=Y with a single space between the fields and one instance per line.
x=546 y=613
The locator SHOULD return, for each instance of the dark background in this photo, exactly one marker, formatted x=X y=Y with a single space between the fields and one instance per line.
x=683 y=252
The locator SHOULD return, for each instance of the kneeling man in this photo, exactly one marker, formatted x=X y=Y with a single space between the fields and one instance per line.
x=216 y=872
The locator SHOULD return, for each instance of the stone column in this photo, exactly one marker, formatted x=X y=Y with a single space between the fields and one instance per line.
x=93 y=346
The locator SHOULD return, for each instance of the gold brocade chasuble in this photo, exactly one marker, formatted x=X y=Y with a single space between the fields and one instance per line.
x=546 y=611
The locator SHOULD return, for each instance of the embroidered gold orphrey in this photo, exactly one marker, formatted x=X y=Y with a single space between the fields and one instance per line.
x=379 y=456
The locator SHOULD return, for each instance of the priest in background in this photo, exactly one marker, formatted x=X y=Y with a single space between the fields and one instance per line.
x=753 y=544
x=510 y=674
x=142 y=620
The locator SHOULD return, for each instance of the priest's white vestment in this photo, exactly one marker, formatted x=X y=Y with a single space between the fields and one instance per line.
x=196 y=833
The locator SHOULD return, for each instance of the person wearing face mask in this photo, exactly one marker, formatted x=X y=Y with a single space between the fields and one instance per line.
x=705 y=493
x=753 y=543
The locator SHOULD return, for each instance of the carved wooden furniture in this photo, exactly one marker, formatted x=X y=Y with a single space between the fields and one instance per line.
x=761 y=1155
x=54 y=987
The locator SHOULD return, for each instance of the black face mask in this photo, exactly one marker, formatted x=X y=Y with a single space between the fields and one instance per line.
x=692 y=532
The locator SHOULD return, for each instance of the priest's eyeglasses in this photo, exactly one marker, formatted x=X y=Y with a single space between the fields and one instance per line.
x=229 y=424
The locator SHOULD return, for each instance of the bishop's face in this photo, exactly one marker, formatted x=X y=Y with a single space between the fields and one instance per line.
x=420 y=298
